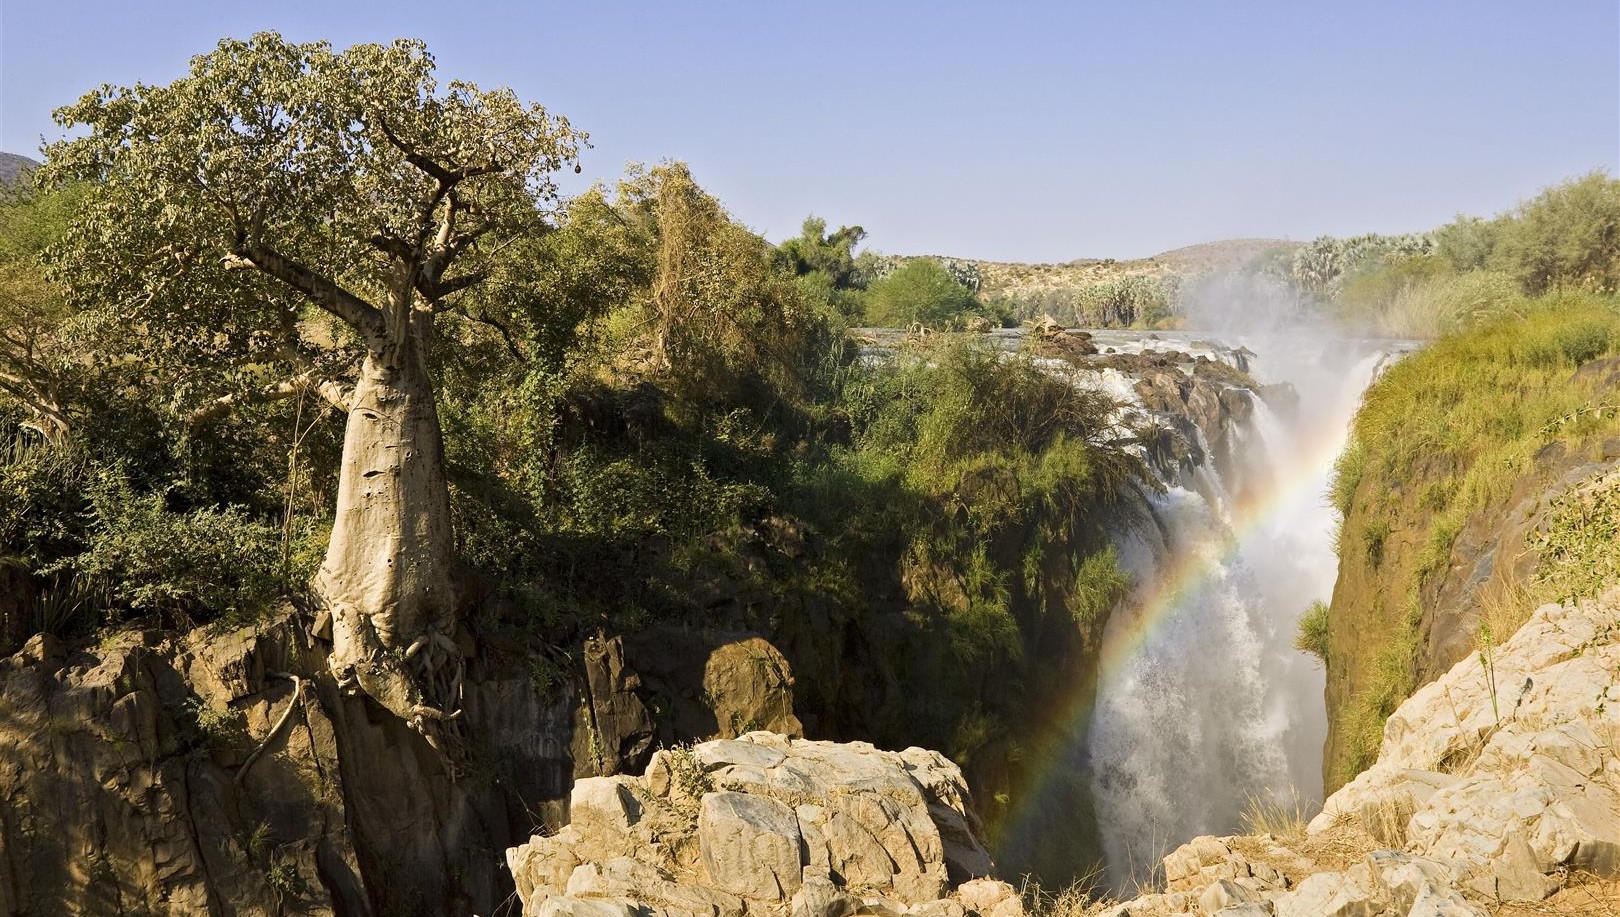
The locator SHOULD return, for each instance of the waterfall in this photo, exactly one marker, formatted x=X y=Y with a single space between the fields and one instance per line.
x=1203 y=702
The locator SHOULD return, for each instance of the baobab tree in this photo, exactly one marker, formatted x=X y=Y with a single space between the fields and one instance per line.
x=283 y=210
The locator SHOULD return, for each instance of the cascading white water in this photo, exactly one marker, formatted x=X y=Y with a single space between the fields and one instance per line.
x=1203 y=702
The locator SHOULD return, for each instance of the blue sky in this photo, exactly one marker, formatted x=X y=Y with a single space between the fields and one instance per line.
x=1027 y=131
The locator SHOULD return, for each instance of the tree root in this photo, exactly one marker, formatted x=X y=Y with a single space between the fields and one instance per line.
x=292 y=704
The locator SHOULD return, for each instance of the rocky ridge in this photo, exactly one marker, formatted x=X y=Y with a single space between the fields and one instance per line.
x=1497 y=787
x=765 y=824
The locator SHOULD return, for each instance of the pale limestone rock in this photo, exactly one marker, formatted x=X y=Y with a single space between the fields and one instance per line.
x=1352 y=893
x=1464 y=775
x=1515 y=875
x=583 y=907
x=1224 y=894
x=783 y=825
x=627 y=878
x=1402 y=878
x=1443 y=902
x=1006 y=907
x=819 y=897
x=605 y=802
x=750 y=845
x=983 y=894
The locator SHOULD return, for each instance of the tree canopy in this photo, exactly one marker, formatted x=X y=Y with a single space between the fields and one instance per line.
x=921 y=290
x=276 y=176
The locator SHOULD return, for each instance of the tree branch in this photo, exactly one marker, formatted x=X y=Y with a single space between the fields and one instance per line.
x=331 y=391
x=505 y=332
x=361 y=315
x=447 y=177
x=433 y=291
x=390 y=245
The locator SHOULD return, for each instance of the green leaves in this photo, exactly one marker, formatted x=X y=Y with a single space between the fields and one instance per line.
x=278 y=181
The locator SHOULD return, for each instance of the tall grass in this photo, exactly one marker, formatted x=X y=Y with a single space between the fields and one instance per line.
x=1446 y=434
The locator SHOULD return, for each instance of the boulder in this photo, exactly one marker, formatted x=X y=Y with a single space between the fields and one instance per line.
x=1352 y=893
x=770 y=824
x=1226 y=893
x=819 y=896
x=712 y=684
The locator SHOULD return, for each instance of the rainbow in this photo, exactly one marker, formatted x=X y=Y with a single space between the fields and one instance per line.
x=1186 y=575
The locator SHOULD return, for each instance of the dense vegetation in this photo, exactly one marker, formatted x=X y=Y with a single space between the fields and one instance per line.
x=650 y=416
x=1522 y=304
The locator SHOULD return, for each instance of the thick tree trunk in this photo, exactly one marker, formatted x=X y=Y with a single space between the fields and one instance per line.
x=387 y=578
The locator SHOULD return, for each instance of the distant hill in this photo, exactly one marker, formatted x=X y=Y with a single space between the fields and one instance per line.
x=13 y=167
x=1219 y=254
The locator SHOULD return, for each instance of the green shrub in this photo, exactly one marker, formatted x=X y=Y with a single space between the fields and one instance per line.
x=217 y=727
x=1100 y=585
x=42 y=501
x=1313 y=634
x=1579 y=545
x=202 y=563
x=1566 y=238
x=920 y=291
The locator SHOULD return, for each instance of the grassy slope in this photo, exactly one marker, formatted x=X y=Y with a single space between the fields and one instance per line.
x=1461 y=439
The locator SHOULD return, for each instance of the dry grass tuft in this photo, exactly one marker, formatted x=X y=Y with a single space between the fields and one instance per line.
x=1283 y=819
x=1082 y=898
x=1583 y=895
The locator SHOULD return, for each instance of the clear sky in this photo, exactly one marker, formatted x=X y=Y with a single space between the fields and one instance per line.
x=1038 y=131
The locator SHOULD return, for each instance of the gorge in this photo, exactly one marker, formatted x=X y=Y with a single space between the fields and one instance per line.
x=390 y=527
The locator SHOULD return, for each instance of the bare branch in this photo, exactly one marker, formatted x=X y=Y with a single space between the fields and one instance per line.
x=505 y=332
x=447 y=177
x=361 y=315
x=333 y=392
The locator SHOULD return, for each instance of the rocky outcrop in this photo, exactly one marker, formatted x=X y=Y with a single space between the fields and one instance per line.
x=1507 y=768
x=669 y=684
x=767 y=824
x=223 y=772
x=1493 y=559
x=120 y=793
x=1497 y=784
x=1258 y=876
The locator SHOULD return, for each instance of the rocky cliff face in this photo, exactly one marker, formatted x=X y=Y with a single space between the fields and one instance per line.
x=1496 y=790
x=1493 y=558
x=222 y=772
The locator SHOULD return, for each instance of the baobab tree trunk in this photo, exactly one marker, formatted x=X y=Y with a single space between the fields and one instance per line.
x=387 y=578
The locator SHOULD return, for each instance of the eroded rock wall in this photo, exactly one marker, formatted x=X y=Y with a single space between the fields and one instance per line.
x=223 y=772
